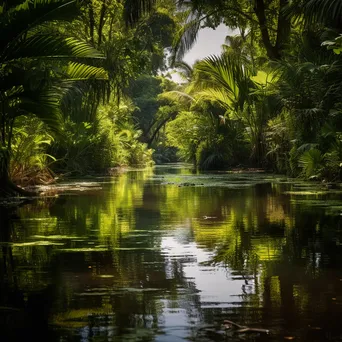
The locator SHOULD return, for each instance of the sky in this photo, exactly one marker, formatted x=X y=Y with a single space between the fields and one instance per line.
x=208 y=43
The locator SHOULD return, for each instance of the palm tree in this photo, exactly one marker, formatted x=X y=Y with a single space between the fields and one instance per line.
x=229 y=81
x=38 y=65
x=224 y=79
x=326 y=12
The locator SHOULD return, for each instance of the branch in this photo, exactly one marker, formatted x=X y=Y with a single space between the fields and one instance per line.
x=243 y=328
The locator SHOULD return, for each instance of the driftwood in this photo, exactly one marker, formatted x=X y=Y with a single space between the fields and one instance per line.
x=243 y=328
x=229 y=327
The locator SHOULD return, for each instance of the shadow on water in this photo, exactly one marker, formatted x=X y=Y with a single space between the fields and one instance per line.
x=168 y=255
x=23 y=314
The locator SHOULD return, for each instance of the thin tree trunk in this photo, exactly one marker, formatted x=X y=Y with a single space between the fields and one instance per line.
x=7 y=187
x=101 y=22
x=111 y=28
x=10 y=135
x=284 y=27
x=91 y=22
x=161 y=124
x=2 y=125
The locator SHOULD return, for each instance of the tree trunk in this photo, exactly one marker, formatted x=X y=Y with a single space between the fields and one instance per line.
x=4 y=190
x=259 y=9
x=101 y=23
x=91 y=22
x=284 y=28
x=275 y=51
x=4 y=178
x=7 y=187
x=160 y=125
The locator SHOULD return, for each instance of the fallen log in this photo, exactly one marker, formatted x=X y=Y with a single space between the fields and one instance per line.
x=243 y=328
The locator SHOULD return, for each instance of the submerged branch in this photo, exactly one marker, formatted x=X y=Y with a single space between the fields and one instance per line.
x=243 y=328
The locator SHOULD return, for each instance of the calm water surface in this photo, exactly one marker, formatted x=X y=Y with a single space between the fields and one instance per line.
x=166 y=255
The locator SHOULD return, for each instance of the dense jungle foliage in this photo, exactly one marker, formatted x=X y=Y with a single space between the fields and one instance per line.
x=85 y=87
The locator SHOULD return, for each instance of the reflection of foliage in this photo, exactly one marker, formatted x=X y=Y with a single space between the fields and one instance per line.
x=111 y=268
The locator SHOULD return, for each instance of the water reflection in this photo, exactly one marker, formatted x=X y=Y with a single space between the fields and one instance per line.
x=167 y=255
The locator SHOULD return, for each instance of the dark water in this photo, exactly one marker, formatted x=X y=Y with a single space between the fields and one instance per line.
x=144 y=259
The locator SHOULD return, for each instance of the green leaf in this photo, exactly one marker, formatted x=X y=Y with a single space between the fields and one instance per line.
x=47 y=45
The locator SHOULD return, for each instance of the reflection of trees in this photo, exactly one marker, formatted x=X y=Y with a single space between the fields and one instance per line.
x=23 y=310
x=100 y=218
x=128 y=301
x=94 y=290
x=287 y=253
x=109 y=275
x=7 y=265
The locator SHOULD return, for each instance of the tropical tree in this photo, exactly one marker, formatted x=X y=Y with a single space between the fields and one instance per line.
x=323 y=12
x=285 y=104
x=38 y=65
x=268 y=21
x=133 y=52
x=43 y=63
x=228 y=81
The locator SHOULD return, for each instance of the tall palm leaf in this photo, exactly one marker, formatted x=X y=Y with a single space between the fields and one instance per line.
x=28 y=47
x=184 y=70
x=49 y=45
x=313 y=12
x=226 y=79
x=327 y=12
x=187 y=35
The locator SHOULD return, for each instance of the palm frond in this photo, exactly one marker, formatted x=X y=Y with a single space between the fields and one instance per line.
x=79 y=72
x=176 y=96
x=216 y=95
x=327 y=12
x=311 y=161
x=186 y=37
x=20 y=19
x=212 y=159
x=46 y=45
x=184 y=69
x=306 y=147
x=221 y=72
x=45 y=105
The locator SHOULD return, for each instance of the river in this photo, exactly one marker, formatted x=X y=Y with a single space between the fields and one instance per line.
x=167 y=255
